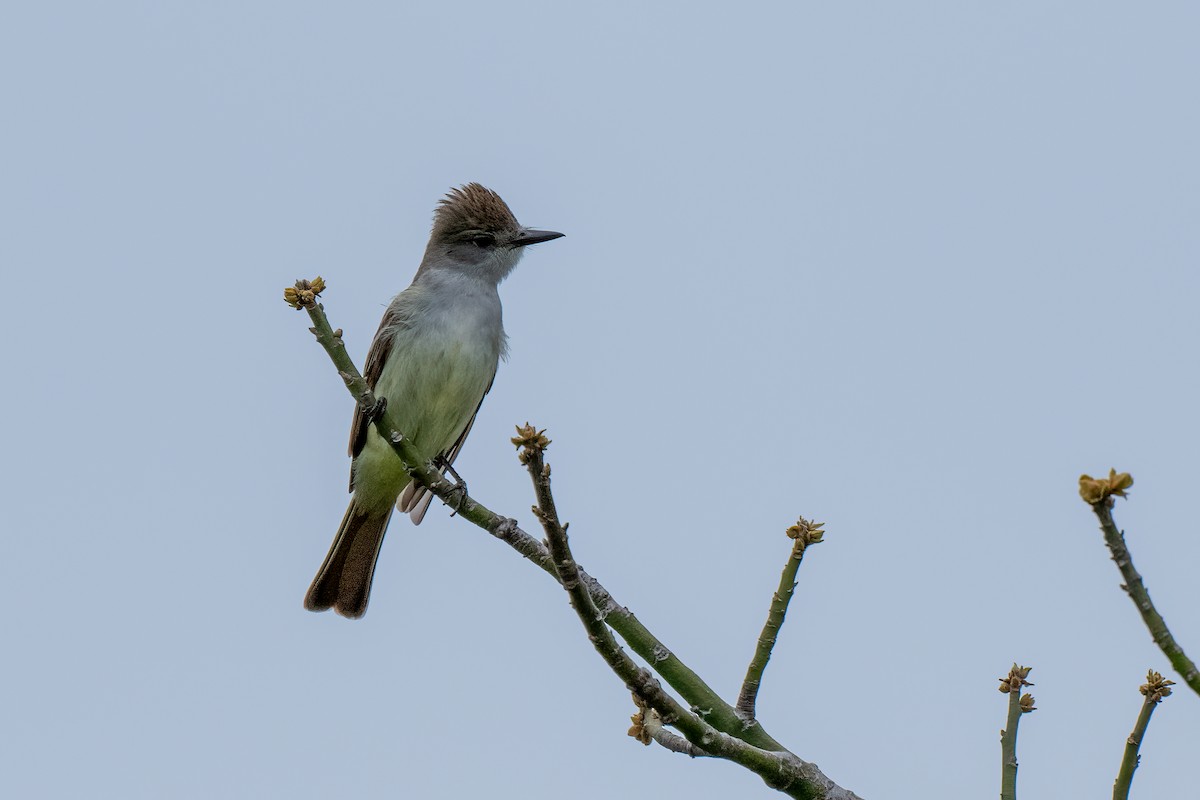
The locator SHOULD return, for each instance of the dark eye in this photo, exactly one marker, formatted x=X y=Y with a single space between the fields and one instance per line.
x=483 y=240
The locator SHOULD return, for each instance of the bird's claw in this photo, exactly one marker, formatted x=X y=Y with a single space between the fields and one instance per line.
x=460 y=486
x=376 y=411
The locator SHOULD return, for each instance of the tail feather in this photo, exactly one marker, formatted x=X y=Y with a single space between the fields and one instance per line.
x=344 y=581
x=414 y=501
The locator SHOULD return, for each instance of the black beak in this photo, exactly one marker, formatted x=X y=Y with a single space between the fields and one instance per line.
x=530 y=236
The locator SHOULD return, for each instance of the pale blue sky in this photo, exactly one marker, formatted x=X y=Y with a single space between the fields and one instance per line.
x=905 y=268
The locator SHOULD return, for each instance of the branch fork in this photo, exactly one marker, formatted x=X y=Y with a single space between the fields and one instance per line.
x=719 y=732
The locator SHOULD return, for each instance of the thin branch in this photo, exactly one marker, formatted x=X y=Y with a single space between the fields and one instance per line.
x=671 y=741
x=1018 y=704
x=707 y=703
x=804 y=533
x=1008 y=750
x=676 y=673
x=1154 y=690
x=780 y=770
x=1099 y=494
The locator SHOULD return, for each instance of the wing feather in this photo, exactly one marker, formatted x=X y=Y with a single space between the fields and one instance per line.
x=381 y=348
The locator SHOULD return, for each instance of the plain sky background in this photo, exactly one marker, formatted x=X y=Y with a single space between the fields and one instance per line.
x=907 y=268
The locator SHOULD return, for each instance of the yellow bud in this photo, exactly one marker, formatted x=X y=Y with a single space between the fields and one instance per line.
x=1097 y=490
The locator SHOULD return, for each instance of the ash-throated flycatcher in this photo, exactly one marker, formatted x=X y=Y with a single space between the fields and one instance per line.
x=433 y=360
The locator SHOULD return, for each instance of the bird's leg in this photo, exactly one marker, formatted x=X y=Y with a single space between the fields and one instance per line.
x=376 y=411
x=460 y=487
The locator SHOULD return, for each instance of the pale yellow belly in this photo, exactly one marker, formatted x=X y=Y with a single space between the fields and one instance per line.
x=432 y=393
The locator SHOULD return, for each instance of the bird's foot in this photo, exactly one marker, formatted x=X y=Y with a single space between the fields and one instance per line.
x=460 y=485
x=376 y=411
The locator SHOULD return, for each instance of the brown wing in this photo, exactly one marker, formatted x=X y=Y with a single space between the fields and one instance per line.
x=415 y=498
x=381 y=348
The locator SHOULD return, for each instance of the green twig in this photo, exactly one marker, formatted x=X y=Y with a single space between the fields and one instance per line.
x=804 y=533
x=621 y=619
x=648 y=727
x=1154 y=690
x=780 y=770
x=714 y=711
x=1099 y=493
x=1018 y=704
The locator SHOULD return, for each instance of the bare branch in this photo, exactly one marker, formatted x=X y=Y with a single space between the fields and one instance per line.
x=676 y=673
x=781 y=770
x=1154 y=690
x=648 y=727
x=1099 y=494
x=804 y=533
x=778 y=767
x=1018 y=704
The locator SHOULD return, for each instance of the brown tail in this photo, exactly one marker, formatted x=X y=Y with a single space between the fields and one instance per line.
x=344 y=581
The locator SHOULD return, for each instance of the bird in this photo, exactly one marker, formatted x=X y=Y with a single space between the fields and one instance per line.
x=432 y=361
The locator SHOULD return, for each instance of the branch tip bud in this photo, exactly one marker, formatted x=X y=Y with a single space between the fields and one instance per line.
x=1102 y=490
x=1015 y=679
x=529 y=440
x=806 y=532
x=305 y=293
x=639 y=729
x=1156 y=687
